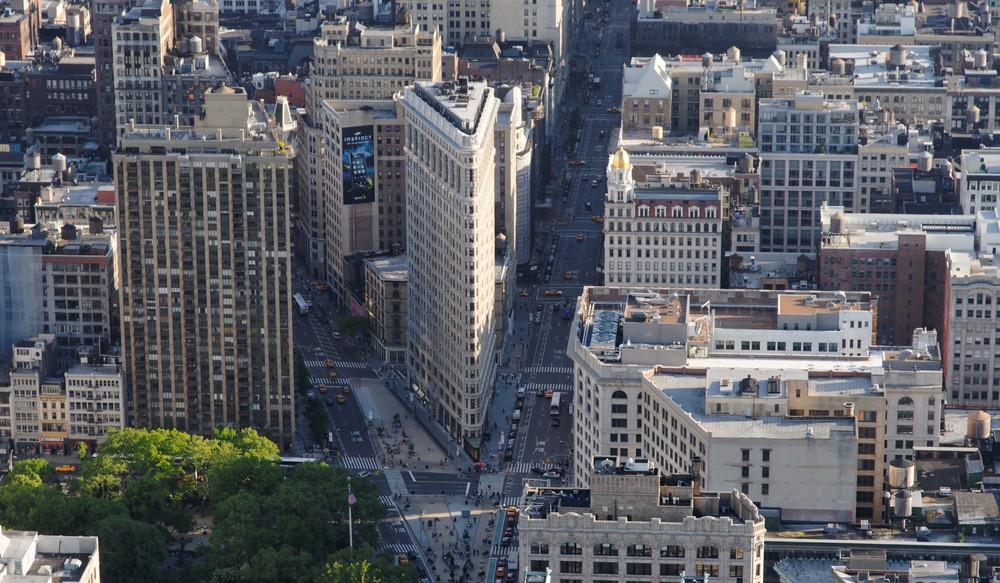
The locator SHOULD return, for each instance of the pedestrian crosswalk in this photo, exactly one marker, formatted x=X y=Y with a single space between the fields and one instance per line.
x=525 y=467
x=501 y=550
x=510 y=501
x=320 y=381
x=336 y=364
x=360 y=463
x=388 y=502
x=401 y=549
x=555 y=387
x=550 y=369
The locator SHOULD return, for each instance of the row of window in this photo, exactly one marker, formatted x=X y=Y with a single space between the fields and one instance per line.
x=638 y=550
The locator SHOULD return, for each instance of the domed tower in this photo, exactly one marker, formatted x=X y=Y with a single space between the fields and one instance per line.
x=621 y=186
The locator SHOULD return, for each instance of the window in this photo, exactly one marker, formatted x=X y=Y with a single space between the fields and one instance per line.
x=746 y=455
x=905 y=401
x=619 y=395
x=638 y=569
x=671 y=569
x=708 y=552
x=570 y=549
x=672 y=551
x=605 y=568
x=539 y=548
x=605 y=550
x=736 y=553
x=710 y=569
x=620 y=409
x=639 y=551
x=571 y=566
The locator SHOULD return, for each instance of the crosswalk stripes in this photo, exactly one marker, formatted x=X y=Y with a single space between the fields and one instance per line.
x=500 y=551
x=525 y=467
x=360 y=463
x=511 y=501
x=349 y=364
x=388 y=502
x=400 y=548
x=555 y=387
x=320 y=381
x=336 y=364
x=550 y=369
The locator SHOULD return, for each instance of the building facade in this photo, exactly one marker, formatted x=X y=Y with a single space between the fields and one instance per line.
x=808 y=157
x=386 y=302
x=450 y=190
x=664 y=376
x=661 y=234
x=635 y=522
x=206 y=324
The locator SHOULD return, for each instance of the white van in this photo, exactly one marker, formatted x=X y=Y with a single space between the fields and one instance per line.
x=517 y=414
x=520 y=392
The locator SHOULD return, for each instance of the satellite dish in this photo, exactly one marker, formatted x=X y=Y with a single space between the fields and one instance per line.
x=606 y=463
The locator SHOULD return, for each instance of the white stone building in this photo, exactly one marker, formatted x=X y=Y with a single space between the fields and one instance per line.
x=757 y=384
x=635 y=522
x=451 y=226
x=980 y=183
x=26 y=555
x=661 y=234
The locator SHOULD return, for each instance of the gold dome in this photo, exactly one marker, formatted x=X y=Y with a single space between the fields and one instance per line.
x=620 y=160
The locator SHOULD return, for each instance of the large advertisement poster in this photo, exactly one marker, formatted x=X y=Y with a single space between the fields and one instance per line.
x=359 y=164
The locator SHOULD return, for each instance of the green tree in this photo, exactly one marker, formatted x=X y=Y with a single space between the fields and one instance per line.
x=319 y=419
x=33 y=471
x=130 y=550
x=81 y=452
x=358 y=566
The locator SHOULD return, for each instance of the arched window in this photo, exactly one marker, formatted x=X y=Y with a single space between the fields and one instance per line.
x=708 y=552
x=639 y=551
x=905 y=402
x=619 y=395
x=672 y=551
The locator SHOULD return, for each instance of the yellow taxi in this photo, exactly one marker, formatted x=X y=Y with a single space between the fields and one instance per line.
x=548 y=394
x=579 y=237
x=341 y=399
x=346 y=389
x=66 y=468
x=597 y=218
x=614 y=110
x=553 y=292
x=523 y=293
x=332 y=375
x=577 y=162
x=321 y=388
x=329 y=362
x=511 y=511
x=320 y=287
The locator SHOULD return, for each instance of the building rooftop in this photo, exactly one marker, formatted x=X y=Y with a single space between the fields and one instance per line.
x=882 y=231
x=392 y=268
x=461 y=102
x=874 y=65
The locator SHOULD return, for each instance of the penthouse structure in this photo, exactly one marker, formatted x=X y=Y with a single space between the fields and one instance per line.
x=70 y=558
x=451 y=247
x=665 y=375
x=661 y=233
x=979 y=186
x=206 y=303
x=636 y=520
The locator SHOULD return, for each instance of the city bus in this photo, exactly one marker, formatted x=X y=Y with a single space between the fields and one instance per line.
x=301 y=304
x=554 y=405
x=291 y=462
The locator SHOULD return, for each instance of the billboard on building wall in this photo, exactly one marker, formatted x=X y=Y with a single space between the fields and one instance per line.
x=358 y=147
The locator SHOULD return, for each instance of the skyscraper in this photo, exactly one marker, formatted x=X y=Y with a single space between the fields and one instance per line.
x=206 y=291
x=450 y=225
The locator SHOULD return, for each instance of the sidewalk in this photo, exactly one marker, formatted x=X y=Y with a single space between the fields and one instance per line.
x=448 y=530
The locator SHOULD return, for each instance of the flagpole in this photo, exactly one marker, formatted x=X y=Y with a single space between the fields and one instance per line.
x=350 y=519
